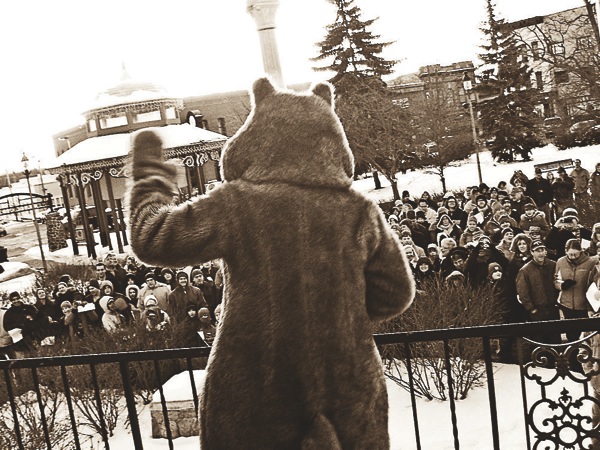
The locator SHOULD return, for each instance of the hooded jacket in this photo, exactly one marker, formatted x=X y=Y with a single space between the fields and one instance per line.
x=303 y=283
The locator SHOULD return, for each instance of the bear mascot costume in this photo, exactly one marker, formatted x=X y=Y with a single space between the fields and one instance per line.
x=309 y=266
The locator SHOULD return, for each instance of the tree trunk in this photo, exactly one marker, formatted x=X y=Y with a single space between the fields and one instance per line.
x=376 y=180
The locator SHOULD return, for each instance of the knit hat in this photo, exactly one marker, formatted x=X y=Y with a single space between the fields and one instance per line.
x=405 y=194
x=481 y=197
x=411 y=215
x=419 y=214
x=494 y=267
x=65 y=278
x=518 y=189
x=14 y=296
x=63 y=283
x=570 y=212
x=538 y=170
x=94 y=283
x=561 y=169
x=181 y=274
x=393 y=217
x=150 y=275
x=502 y=192
x=196 y=272
x=166 y=270
x=150 y=301
x=506 y=230
x=528 y=206
x=472 y=219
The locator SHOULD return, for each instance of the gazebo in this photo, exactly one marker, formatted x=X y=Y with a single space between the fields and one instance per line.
x=93 y=169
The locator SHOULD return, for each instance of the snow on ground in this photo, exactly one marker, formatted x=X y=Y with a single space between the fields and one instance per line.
x=464 y=173
x=435 y=425
x=17 y=276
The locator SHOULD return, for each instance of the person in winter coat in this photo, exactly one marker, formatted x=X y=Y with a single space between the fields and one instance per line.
x=571 y=278
x=456 y=213
x=275 y=318
x=470 y=233
x=506 y=243
x=534 y=222
x=482 y=211
x=15 y=327
x=536 y=290
x=48 y=313
x=184 y=294
x=446 y=228
x=167 y=276
x=540 y=191
x=565 y=228
x=423 y=271
x=482 y=254
x=207 y=330
x=595 y=240
x=132 y=292
x=153 y=317
x=160 y=292
x=562 y=188
x=112 y=320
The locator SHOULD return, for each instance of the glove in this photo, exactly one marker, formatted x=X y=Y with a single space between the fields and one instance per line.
x=567 y=284
x=147 y=158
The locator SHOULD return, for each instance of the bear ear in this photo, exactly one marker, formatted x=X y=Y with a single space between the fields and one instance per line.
x=324 y=90
x=262 y=88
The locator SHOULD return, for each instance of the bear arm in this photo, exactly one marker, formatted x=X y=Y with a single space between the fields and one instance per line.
x=178 y=235
x=390 y=286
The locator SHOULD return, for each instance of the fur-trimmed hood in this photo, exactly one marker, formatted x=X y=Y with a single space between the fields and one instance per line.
x=272 y=156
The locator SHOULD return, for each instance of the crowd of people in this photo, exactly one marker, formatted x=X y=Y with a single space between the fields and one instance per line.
x=185 y=299
x=523 y=238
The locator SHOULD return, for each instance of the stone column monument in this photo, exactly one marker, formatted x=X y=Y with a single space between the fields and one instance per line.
x=263 y=12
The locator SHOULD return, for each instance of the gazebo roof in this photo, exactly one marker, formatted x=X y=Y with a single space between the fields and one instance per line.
x=112 y=150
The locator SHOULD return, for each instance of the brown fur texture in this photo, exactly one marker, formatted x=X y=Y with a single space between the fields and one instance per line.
x=309 y=264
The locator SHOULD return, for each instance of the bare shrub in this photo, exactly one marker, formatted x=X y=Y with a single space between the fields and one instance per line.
x=441 y=305
x=30 y=422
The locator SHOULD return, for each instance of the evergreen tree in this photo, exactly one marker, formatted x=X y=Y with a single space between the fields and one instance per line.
x=351 y=47
x=509 y=120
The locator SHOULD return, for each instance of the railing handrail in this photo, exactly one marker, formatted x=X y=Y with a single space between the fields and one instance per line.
x=513 y=329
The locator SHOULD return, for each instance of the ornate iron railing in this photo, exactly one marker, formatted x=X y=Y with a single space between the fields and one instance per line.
x=555 y=418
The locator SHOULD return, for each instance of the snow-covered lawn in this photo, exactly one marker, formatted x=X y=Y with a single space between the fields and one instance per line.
x=464 y=173
x=435 y=425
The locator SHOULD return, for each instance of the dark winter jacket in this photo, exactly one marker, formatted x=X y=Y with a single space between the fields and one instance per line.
x=535 y=287
x=181 y=297
x=540 y=191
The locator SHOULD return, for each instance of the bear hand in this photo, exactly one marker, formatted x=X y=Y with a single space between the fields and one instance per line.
x=147 y=153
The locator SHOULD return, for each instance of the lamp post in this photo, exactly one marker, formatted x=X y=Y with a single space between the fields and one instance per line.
x=263 y=13
x=27 y=173
x=468 y=87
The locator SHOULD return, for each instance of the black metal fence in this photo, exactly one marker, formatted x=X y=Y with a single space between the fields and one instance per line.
x=48 y=401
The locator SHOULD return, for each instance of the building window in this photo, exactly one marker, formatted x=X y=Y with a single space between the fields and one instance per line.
x=535 y=49
x=170 y=113
x=558 y=49
x=561 y=76
x=146 y=117
x=584 y=43
x=539 y=81
x=401 y=102
x=91 y=125
x=112 y=122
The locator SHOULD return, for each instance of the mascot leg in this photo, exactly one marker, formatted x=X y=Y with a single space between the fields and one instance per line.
x=321 y=435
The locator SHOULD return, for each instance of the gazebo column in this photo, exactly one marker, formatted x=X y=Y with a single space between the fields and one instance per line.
x=89 y=235
x=121 y=217
x=115 y=213
x=188 y=181
x=63 y=179
x=201 y=179
x=101 y=214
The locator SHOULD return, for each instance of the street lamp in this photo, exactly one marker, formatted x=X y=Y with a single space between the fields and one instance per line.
x=468 y=87
x=26 y=172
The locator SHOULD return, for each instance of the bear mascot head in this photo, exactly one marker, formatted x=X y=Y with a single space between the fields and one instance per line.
x=309 y=265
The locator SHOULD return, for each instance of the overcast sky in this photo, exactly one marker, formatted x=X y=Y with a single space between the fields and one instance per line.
x=56 y=56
